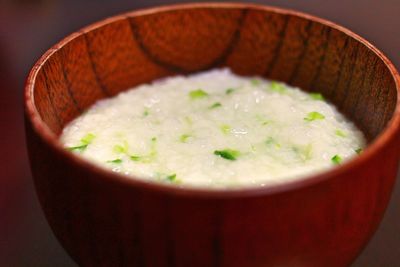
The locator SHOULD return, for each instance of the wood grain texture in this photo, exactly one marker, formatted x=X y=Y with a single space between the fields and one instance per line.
x=104 y=219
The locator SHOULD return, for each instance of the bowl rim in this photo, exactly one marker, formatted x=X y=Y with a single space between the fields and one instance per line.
x=388 y=134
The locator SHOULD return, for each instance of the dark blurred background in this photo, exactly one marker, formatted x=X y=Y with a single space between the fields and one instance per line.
x=29 y=27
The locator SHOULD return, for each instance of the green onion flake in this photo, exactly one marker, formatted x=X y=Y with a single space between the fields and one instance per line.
x=149 y=157
x=77 y=148
x=198 y=94
x=229 y=91
x=336 y=159
x=340 y=133
x=184 y=138
x=277 y=87
x=228 y=154
x=314 y=115
x=136 y=158
x=255 y=82
x=263 y=120
x=121 y=148
x=225 y=129
x=272 y=141
x=85 y=141
x=171 y=177
x=359 y=150
x=303 y=152
x=146 y=112
x=317 y=96
x=117 y=161
x=215 y=105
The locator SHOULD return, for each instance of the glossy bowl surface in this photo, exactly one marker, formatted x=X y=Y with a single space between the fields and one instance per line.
x=105 y=219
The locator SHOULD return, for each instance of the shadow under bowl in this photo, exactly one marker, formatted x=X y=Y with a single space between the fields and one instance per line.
x=105 y=219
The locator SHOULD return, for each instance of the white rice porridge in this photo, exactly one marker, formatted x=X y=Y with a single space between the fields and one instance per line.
x=214 y=129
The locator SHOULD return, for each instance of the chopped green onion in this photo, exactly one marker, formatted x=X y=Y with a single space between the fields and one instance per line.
x=225 y=128
x=146 y=112
x=269 y=141
x=77 y=148
x=272 y=141
x=117 y=161
x=277 y=87
x=228 y=154
x=255 y=82
x=153 y=151
x=120 y=148
x=336 y=159
x=340 y=133
x=263 y=120
x=307 y=152
x=314 y=116
x=142 y=159
x=229 y=91
x=147 y=158
x=215 y=105
x=197 y=94
x=136 y=158
x=304 y=152
x=171 y=177
x=317 y=96
x=87 y=139
x=153 y=143
x=359 y=150
x=184 y=138
x=167 y=178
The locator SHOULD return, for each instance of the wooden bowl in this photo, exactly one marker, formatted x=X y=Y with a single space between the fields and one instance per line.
x=105 y=219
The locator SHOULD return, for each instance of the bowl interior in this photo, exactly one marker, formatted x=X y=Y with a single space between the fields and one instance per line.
x=112 y=56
